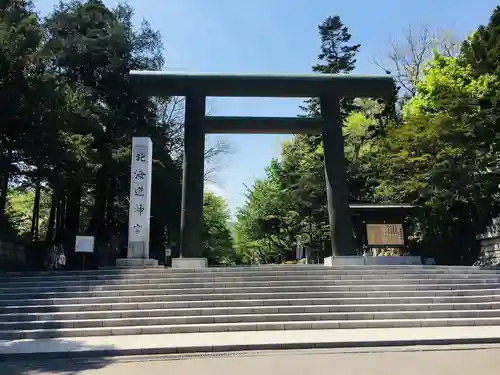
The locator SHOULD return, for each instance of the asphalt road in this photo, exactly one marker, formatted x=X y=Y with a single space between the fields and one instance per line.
x=484 y=360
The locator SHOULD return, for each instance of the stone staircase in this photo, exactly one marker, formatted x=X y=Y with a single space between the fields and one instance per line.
x=291 y=297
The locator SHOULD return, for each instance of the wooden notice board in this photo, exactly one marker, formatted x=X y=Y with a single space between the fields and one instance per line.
x=385 y=235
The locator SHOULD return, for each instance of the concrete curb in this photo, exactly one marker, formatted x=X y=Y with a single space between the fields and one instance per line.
x=102 y=353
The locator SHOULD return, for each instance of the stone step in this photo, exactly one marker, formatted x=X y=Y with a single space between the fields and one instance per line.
x=210 y=289
x=493 y=309
x=242 y=268
x=153 y=282
x=240 y=295
x=488 y=300
x=233 y=271
x=250 y=267
x=241 y=318
x=159 y=300
x=246 y=326
x=318 y=281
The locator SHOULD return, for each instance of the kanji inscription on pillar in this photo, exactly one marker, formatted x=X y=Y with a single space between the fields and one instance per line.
x=140 y=198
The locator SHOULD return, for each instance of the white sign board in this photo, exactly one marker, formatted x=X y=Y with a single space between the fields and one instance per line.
x=84 y=244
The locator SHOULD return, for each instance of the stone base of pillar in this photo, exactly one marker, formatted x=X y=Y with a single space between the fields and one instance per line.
x=344 y=261
x=136 y=263
x=190 y=263
x=353 y=260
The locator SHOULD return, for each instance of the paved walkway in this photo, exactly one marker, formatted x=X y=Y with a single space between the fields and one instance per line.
x=237 y=341
x=387 y=361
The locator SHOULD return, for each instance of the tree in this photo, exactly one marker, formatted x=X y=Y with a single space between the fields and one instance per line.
x=71 y=117
x=94 y=48
x=19 y=210
x=20 y=38
x=482 y=49
x=31 y=145
x=438 y=149
x=290 y=205
x=440 y=157
x=217 y=238
x=364 y=141
x=266 y=226
x=285 y=208
x=406 y=60
x=337 y=55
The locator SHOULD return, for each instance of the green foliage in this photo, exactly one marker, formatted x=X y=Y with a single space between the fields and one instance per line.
x=19 y=210
x=336 y=55
x=263 y=226
x=70 y=114
x=287 y=207
x=290 y=206
x=217 y=237
x=441 y=157
x=439 y=150
x=482 y=49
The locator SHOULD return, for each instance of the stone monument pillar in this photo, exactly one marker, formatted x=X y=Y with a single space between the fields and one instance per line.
x=139 y=205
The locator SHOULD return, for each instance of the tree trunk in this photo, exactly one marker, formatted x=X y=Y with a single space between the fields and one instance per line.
x=110 y=204
x=5 y=175
x=35 y=217
x=60 y=215
x=98 y=217
x=49 y=238
x=72 y=215
x=3 y=193
x=36 y=214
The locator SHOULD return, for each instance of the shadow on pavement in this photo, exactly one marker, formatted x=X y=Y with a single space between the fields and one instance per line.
x=26 y=309
x=52 y=363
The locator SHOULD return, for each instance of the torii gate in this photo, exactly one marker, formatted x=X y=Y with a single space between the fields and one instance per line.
x=196 y=87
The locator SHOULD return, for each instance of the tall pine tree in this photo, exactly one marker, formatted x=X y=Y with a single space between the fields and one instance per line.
x=20 y=38
x=337 y=55
x=482 y=49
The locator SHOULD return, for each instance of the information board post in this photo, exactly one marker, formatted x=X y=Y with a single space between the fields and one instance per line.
x=168 y=250
x=84 y=245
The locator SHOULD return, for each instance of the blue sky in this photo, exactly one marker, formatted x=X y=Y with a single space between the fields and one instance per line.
x=280 y=36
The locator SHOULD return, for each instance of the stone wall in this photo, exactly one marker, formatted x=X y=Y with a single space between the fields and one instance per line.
x=12 y=256
x=489 y=241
